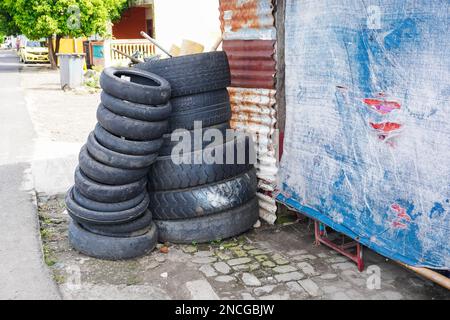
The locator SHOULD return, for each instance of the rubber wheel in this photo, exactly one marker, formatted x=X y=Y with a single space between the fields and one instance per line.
x=89 y=204
x=107 y=193
x=130 y=128
x=192 y=74
x=135 y=228
x=164 y=174
x=111 y=248
x=168 y=144
x=204 y=200
x=210 y=228
x=142 y=87
x=84 y=215
x=210 y=108
x=122 y=145
x=103 y=173
x=135 y=110
x=116 y=159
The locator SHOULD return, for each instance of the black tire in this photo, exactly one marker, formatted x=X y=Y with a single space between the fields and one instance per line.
x=130 y=128
x=210 y=108
x=122 y=145
x=135 y=228
x=192 y=74
x=83 y=215
x=116 y=159
x=143 y=87
x=204 y=200
x=167 y=175
x=111 y=248
x=168 y=144
x=107 y=193
x=135 y=110
x=103 y=173
x=89 y=204
x=210 y=228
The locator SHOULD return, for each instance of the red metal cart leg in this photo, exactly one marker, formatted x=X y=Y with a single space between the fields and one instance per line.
x=319 y=231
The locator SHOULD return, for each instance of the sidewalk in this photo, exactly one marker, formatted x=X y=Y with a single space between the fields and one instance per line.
x=22 y=272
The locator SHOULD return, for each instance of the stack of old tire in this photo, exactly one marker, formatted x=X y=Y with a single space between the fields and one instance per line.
x=109 y=202
x=201 y=200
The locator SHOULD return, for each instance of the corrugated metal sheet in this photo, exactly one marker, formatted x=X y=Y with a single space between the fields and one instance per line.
x=249 y=40
x=247 y=19
x=251 y=63
x=254 y=111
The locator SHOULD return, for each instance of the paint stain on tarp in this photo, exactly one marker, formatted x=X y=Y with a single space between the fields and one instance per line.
x=382 y=106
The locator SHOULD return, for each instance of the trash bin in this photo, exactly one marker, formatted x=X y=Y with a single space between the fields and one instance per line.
x=71 y=69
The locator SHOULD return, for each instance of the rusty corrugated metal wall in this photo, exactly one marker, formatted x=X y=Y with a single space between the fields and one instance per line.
x=249 y=35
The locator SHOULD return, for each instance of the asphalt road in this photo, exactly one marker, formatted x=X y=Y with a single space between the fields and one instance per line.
x=23 y=275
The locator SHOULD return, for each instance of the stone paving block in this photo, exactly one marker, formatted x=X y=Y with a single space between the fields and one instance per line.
x=239 y=252
x=269 y=264
x=283 y=296
x=304 y=257
x=286 y=277
x=329 y=276
x=203 y=254
x=223 y=256
x=284 y=269
x=247 y=296
x=257 y=252
x=261 y=258
x=201 y=290
x=238 y=261
x=204 y=260
x=189 y=249
x=307 y=269
x=337 y=259
x=254 y=266
x=295 y=287
x=250 y=280
x=208 y=271
x=241 y=267
x=264 y=290
x=311 y=287
x=357 y=278
x=323 y=255
x=280 y=260
x=222 y=267
x=296 y=252
x=344 y=266
x=249 y=247
x=225 y=279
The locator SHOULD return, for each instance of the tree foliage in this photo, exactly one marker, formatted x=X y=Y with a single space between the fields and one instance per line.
x=75 y=18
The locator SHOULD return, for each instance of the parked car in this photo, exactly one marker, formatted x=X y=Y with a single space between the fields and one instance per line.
x=33 y=51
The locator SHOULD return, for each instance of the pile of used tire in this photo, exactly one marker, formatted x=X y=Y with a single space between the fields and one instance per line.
x=109 y=202
x=200 y=201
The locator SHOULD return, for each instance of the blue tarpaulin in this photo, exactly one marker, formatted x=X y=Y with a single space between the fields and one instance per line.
x=367 y=138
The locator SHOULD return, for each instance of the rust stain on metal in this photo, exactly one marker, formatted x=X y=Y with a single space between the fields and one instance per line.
x=242 y=12
x=251 y=63
x=247 y=19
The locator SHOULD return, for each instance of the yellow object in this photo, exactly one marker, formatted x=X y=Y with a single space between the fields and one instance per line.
x=70 y=45
x=190 y=47
x=174 y=51
x=33 y=51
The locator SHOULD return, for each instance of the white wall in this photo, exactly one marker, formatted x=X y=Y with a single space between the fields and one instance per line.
x=196 y=20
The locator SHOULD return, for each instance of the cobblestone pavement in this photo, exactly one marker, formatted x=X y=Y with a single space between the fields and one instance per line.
x=272 y=262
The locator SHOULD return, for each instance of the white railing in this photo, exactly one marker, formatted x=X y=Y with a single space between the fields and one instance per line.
x=130 y=46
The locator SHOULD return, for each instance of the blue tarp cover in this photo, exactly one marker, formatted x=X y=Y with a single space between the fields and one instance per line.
x=367 y=140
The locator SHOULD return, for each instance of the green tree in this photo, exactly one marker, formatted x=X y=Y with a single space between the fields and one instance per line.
x=74 y=18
